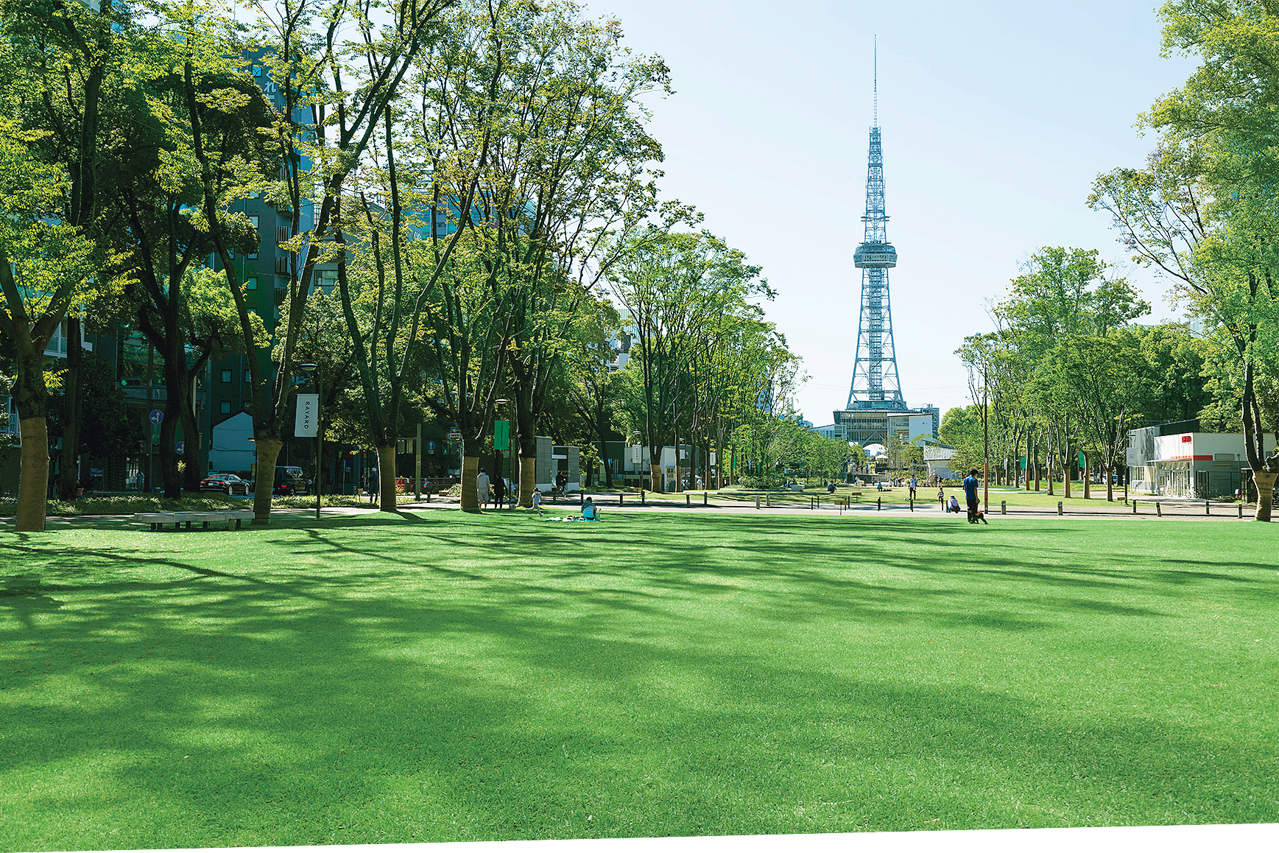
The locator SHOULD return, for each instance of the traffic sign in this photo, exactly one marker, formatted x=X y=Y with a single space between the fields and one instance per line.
x=157 y=416
x=430 y=447
x=180 y=447
x=455 y=434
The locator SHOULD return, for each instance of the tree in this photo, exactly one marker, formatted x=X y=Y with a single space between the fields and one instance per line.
x=676 y=288
x=158 y=244
x=333 y=95
x=54 y=63
x=1204 y=210
x=1064 y=295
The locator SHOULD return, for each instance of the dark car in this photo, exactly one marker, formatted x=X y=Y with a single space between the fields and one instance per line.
x=289 y=480
x=228 y=483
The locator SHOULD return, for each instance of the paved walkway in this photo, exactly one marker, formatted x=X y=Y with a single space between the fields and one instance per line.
x=630 y=503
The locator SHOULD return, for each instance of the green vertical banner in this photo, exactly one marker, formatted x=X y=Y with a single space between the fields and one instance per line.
x=501 y=435
x=1082 y=461
x=1021 y=462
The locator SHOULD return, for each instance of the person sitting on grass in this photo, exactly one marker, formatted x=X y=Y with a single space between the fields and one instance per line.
x=954 y=505
x=590 y=512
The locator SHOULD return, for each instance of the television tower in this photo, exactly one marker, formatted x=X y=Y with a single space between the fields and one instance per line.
x=875 y=382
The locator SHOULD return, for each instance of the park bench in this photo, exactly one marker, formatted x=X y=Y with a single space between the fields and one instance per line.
x=157 y=520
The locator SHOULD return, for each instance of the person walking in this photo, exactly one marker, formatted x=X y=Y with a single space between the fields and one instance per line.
x=499 y=491
x=970 y=494
x=374 y=492
x=482 y=488
x=537 y=500
x=914 y=481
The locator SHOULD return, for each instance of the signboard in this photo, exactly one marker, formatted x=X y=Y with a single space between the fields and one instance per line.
x=430 y=447
x=180 y=448
x=455 y=434
x=501 y=435
x=157 y=417
x=307 y=422
x=637 y=454
x=1082 y=461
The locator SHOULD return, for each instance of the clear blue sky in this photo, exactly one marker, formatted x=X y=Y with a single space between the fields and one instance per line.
x=996 y=117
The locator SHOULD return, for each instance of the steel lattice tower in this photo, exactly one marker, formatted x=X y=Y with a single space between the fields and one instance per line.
x=875 y=382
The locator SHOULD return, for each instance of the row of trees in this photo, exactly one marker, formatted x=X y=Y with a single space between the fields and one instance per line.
x=1067 y=373
x=1065 y=370
x=479 y=172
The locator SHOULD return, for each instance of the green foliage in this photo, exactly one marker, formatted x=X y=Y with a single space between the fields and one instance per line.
x=1204 y=210
x=110 y=428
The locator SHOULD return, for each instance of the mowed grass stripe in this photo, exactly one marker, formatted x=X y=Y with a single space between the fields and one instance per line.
x=447 y=677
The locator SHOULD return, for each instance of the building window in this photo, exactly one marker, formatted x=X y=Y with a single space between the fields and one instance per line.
x=248 y=375
x=226 y=376
x=254 y=220
x=325 y=281
x=251 y=284
x=225 y=407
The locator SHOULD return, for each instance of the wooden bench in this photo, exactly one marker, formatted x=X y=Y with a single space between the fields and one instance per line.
x=157 y=520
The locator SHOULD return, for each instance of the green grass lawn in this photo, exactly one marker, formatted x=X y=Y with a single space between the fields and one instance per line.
x=443 y=677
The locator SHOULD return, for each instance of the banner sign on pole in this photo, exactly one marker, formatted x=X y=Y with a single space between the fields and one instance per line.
x=307 y=423
x=501 y=435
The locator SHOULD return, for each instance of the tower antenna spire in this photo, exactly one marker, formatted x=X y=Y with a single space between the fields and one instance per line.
x=875 y=77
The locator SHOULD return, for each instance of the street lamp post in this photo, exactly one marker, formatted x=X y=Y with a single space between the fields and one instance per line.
x=314 y=371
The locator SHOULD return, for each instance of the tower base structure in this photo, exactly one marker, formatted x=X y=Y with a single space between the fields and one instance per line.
x=875 y=425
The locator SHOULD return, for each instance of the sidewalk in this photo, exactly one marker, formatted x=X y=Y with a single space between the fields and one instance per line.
x=630 y=503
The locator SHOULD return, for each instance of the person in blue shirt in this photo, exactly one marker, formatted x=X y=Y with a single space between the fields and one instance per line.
x=970 y=493
x=590 y=512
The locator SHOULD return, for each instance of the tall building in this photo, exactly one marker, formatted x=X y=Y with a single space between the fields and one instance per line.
x=876 y=410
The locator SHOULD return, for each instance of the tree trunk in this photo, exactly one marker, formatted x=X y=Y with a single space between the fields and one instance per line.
x=169 y=473
x=1264 y=481
x=655 y=469
x=1087 y=490
x=192 y=474
x=1110 y=486
x=69 y=475
x=33 y=484
x=264 y=477
x=528 y=474
x=386 y=477
x=470 y=493
x=608 y=469
x=527 y=450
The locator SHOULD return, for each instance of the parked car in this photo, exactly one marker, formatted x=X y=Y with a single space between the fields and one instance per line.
x=228 y=483
x=289 y=480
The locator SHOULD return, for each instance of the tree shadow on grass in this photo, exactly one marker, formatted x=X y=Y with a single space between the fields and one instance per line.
x=385 y=712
